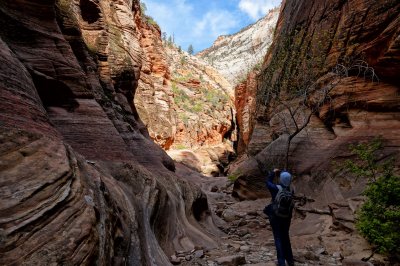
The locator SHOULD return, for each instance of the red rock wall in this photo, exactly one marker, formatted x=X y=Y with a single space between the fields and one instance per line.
x=205 y=116
x=165 y=68
x=245 y=103
x=81 y=181
x=360 y=107
x=154 y=97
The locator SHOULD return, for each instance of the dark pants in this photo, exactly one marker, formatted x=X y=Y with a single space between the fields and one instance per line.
x=280 y=229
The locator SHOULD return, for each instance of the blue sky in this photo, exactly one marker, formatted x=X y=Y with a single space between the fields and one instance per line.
x=200 y=22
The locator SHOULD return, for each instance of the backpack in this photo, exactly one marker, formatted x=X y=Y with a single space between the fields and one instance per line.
x=283 y=203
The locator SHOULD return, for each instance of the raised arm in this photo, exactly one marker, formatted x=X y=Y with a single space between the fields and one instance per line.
x=270 y=182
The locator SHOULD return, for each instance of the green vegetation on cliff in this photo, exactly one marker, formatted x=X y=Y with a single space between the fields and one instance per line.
x=204 y=98
x=150 y=20
x=379 y=218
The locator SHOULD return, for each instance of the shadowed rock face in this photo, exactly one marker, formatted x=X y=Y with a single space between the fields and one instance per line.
x=81 y=181
x=360 y=108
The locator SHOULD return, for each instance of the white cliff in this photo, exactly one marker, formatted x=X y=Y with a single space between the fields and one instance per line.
x=235 y=55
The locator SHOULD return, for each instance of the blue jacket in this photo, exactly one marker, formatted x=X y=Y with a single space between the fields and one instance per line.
x=273 y=189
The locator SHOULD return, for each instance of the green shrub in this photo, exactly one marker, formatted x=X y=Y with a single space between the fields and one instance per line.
x=180 y=97
x=151 y=21
x=379 y=217
x=184 y=118
x=197 y=107
x=378 y=220
x=181 y=79
x=215 y=97
x=233 y=176
x=183 y=60
x=180 y=146
x=366 y=165
x=147 y=18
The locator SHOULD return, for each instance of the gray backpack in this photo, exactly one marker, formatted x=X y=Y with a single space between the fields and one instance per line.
x=283 y=203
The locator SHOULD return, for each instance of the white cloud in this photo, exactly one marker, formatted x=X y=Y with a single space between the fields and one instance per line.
x=188 y=24
x=174 y=17
x=170 y=16
x=215 y=23
x=257 y=8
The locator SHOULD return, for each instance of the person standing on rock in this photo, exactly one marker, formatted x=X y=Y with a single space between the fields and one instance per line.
x=279 y=213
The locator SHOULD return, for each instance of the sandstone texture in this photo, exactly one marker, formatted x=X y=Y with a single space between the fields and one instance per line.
x=182 y=101
x=234 y=56
x=82 y=182
x=154 y=98
x=208 y=160
x=245 y=103
x=312 y=39
x=203 y=102
x=204 y=127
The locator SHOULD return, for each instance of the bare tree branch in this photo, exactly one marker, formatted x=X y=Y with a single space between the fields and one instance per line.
x=311 y=96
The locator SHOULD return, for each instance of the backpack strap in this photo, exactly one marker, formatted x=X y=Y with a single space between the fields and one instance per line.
x=282 y=188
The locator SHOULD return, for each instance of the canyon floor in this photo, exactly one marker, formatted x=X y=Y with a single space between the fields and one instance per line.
x=246 y=236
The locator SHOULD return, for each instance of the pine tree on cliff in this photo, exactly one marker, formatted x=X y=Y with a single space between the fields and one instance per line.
x=190 y=49
x=170 y=41
x=143 y=8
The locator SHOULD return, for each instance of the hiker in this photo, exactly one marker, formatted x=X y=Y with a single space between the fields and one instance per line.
x=279 y=213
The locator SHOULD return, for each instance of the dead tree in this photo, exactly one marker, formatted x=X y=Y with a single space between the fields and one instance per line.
x=298 y=108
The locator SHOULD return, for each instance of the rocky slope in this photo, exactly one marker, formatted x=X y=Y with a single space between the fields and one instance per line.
x=248 y=239
x=312 y=39
x=81 y=181
x=203 y=100
x=235 y=55
x=184 y=103
x=205 y=114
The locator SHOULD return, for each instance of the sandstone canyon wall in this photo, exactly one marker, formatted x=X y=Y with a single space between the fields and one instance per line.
x=81 y=181
x=360 y=107
x=245 y=103
x=234 y=56
x=238 y=57
x=206 y=128
x=154 y=101
x=183 y=102
x=203 y=100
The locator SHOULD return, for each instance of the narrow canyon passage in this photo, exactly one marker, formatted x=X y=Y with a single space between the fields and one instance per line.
x=117 y=147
